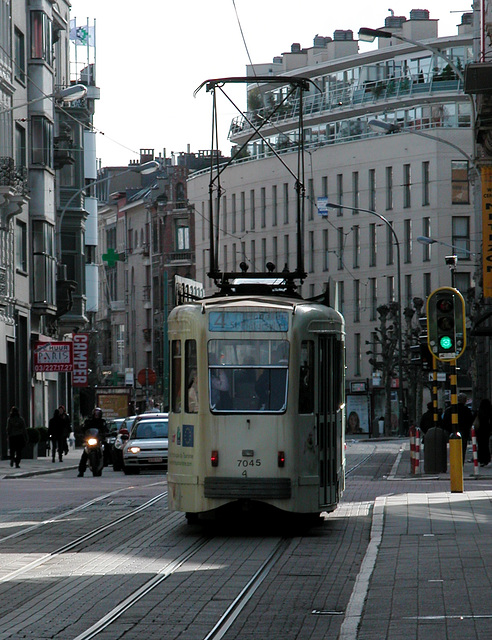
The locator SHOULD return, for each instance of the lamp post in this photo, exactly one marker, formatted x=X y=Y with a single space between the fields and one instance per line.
x=145 y=169
x=70 y=94
x=333 y=205
x=426 y=241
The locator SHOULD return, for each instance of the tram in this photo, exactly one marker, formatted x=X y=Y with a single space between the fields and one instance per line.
x=257 y=378
x=257 y=404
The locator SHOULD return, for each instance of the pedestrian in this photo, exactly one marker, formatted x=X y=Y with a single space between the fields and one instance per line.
x=96 y=421
x=56 y=432
x=17 y=435
x=483 y=427
x=67 y=428
x=427 y=419
x=465 y=421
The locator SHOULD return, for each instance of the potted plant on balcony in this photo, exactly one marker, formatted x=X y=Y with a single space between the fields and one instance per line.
x=31 y=448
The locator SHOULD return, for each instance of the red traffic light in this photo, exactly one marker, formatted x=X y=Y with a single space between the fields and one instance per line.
x=445 y=305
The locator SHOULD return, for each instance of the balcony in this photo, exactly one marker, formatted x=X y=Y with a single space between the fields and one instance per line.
x=13 y=190
x=183 y=257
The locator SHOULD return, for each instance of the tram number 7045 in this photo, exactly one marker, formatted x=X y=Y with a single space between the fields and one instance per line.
x=244 y=462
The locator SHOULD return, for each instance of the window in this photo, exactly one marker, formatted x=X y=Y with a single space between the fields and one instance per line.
x=389 y=245
x=182 y=237
x=339 y=192
x=460 y=188
x=357 y=354
x=263 y=254
x=176 y=376
x=243 y=211
x=286 y=252
x=20 y=56
x=390 y=288
x=248 y=375
x=42 y=141
x=286 y=203
x=275 y=252
x=306 y=377
x=233 y=213
x=326 y=250
x=427 y=285
x=461 y=237
x=373 y=297
x=356 y=300
x=44 y=263
x=341 y=296
x=408 y=290
x=191 y=376
x=324 y=186
x=41 y=37
x=340 y=241
x=389 y=188
x=21 y=246
x=311 y=198
x=425 y=184
x=20 y=146
x=372 y=244
x=407 y=240
x=274 y=205
x=372 y=190
x=263 y=207
x=426 y=232
x=356 y=245
x=252 y=208
x=355 y=191
x=311 y=252
x=406 y=186
x=462 y=281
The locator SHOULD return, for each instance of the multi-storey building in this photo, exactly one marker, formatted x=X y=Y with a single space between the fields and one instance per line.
x=146 y=239
x=420 y=178
x=42 y=154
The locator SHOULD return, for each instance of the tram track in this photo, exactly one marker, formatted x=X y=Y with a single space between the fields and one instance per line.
x=81 y=539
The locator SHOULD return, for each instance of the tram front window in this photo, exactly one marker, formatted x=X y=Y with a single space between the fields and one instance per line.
x=248 y=376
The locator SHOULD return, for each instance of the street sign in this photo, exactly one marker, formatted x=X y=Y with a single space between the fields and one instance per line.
x=322 y=204
x=53 y=356
x=446 y=331
x=146 y=377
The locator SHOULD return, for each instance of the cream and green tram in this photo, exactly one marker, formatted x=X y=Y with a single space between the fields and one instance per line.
x=256 y=405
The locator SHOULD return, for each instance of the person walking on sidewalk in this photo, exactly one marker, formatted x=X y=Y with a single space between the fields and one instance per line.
x=56 y=431
x=483 y=426
x=66 y=426
x=465 y=421
x=17 y=435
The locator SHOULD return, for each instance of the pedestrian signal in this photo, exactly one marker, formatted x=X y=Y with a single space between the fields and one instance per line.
x=446 y=333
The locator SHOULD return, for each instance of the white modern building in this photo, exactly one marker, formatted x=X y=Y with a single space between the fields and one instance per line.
x=421 y=178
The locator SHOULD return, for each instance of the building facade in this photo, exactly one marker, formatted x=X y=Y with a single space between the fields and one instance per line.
x=42 y=153
x=420 y=179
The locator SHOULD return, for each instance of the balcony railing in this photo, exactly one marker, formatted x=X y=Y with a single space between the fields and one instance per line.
x=181 y=256
x=12 y=177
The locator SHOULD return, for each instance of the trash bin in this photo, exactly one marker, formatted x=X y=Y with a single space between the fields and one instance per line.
x=435 y=451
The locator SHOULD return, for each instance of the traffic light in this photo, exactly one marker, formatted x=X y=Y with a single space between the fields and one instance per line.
x=446 y=334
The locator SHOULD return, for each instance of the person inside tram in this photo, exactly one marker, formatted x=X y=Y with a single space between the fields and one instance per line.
x=219 y=384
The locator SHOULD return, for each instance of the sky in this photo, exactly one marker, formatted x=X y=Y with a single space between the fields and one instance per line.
x=151 y=55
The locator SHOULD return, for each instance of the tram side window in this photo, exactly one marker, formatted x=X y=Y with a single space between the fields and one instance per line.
x=306 y=377
x=191 y=400
x=176 y=376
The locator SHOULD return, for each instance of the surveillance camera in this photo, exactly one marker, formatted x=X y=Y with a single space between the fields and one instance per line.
x=451 y=260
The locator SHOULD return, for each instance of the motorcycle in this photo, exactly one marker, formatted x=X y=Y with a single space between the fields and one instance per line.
x=94 y=449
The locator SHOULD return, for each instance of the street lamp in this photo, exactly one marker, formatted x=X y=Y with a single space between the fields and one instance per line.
x=426 y=241
x=332 y=205
x=144 y=169
x=70 y=94
x=369 y=35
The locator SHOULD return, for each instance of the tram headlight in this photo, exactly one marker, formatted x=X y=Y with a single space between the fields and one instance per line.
x=134 y=449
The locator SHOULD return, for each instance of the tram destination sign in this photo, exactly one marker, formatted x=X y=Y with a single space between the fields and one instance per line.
x=53 y=356
x=253 y=321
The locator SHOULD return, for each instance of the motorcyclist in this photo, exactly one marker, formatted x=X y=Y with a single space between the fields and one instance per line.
x=95 y=421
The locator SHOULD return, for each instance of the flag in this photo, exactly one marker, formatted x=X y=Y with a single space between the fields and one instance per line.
x=82 y=35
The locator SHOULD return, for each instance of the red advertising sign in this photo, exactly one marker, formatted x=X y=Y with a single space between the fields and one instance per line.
x=53 y=356
x=80 y=374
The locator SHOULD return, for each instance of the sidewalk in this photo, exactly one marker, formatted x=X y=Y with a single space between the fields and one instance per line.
x=39 y=466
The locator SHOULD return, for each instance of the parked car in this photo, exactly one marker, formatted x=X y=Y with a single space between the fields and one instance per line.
x=147 y=446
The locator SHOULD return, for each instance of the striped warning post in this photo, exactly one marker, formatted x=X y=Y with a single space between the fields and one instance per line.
x=475 y=452
x=412 y=449
x=417 y=469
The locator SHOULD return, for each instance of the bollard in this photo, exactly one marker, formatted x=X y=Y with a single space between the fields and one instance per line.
x=435 y=451
x=475 y=452
x=412 y=449
x=417 y=450
x=456 y=463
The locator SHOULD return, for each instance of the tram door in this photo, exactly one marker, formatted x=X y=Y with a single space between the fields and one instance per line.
x=330 y=385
